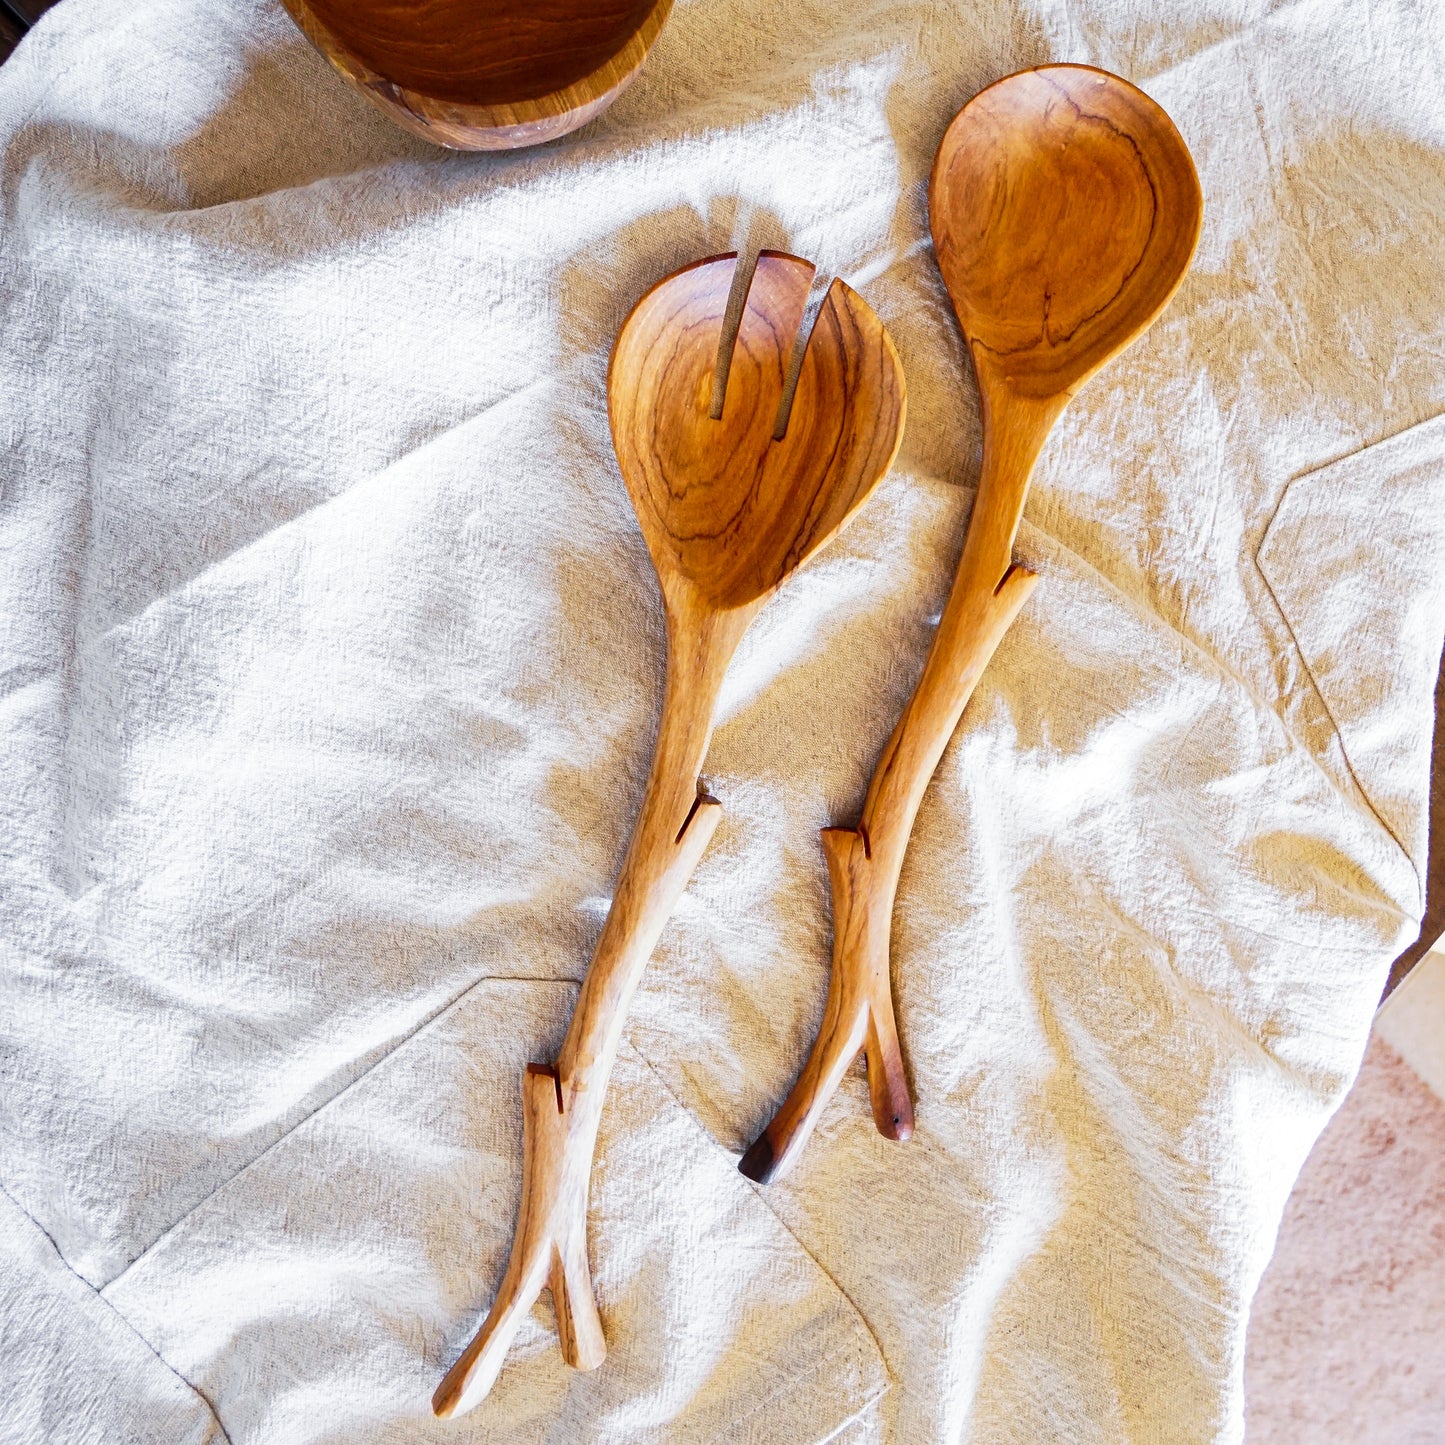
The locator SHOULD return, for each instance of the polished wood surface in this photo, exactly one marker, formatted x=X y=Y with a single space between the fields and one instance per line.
x=483 y=74
x=729 y=504
x=484 y=52
x=1065 y=211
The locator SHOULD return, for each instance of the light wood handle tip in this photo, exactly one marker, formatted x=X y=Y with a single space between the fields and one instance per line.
x=549 y=1251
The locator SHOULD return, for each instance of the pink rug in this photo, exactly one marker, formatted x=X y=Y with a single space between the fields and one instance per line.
x=1347 y=1338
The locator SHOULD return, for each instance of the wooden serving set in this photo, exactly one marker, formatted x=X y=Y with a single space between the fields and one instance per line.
x=1065 y=211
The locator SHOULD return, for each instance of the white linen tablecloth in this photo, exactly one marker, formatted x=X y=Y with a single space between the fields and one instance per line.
x=331 y=657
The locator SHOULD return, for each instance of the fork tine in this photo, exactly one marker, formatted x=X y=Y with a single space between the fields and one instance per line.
x=768 y=327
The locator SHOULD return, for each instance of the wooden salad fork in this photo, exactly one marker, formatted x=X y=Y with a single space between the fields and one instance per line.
x=730 y=504
x=1065 y=211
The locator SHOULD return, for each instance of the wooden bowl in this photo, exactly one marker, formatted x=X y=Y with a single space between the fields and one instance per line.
x=485 y=75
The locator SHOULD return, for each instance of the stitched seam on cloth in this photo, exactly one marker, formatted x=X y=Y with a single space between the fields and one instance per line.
x=194 y=1389
x=1318 y=690
x=783 y=1224
x=1270 y=155
x=1334 y=721
x=434 y=1017
x=1223 y=667
x=782 y=1390
x=1214 y=661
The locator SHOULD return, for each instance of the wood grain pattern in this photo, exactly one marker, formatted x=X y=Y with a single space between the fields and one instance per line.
x=483 y=74
x=729 y=509
x=1065 y=211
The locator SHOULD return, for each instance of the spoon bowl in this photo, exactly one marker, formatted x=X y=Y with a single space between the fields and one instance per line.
x=1065 y=211
x=485 y=74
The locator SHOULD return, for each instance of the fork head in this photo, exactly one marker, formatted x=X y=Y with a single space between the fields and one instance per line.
x=731 y=504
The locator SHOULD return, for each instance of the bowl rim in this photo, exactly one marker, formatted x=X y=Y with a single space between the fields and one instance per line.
x=474 y=126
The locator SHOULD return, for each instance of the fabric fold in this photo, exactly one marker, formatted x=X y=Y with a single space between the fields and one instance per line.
x=1355 y=557
x=319 y=1294
x=73 y=1368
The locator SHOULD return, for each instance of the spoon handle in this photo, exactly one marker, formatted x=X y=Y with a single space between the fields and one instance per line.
x=864 y=863
x=562 y=1104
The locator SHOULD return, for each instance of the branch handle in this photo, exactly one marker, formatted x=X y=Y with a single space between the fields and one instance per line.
x=562 y=1105
x=864 y=863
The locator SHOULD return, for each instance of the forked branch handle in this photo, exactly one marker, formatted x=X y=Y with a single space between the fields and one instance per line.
x=864 y=863
x=562 y=1106
x=549 y=1249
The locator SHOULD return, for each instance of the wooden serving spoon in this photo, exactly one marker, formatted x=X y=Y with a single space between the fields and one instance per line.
x=1065 y=211
x=485 y=74
x=729 y=506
